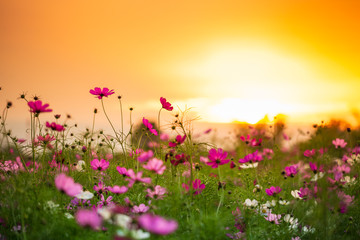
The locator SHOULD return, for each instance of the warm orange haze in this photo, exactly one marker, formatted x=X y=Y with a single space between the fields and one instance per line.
x=229 y=60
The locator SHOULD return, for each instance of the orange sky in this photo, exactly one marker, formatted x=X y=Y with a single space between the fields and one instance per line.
x=297 y=57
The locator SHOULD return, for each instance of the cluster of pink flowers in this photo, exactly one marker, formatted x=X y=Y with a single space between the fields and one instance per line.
x=55 y=127
x=150 y=126
x=67 y=185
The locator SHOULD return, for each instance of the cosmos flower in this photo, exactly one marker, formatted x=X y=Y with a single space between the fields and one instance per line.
x=38 y=107
x=67 y=185
x=155 y=165
x=273 y=190
x=339 y=143
x=100 y=93
x=142 y=208
x=166 y=105
x=118 y=190
x=55 y=127
x=88 y=218
x=133 y=178
x=157 y=225
x=101 y=165
x=197 y=186
x=158 y=192
x=149 y=126
x=217 y=157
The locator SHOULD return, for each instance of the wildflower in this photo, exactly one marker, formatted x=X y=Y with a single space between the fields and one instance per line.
x=55 y=127
x=283 y=202
x=101 y=165
x=315 y=168
x=249 y=165
x=88 y=218
x=291 y=171
x=144 y=156
x=273 y=190
x=164 y=137
x=142 y=208
x=291 y=220
x=197 y=186
x=100 y=188
x=46 y=139
x=273 y=218
x=85 y=195
x=67 y=185
x=105 y=202
x=118 y=190
x=158 y=192
x=80 y=166
x=155 y=165
x=217 y=158
x=157 y=225
x=339 y=143
x=178 y=140
x=37 y=107
x=166 y=105
x=251 y=203
x=149 y=126
x=252 y=157
x=268 y=153
x=309 y=153
x=122 y=171
x=133 y=178
x=100 y=93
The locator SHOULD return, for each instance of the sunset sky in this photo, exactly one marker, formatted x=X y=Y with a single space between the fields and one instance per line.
x=229 y=60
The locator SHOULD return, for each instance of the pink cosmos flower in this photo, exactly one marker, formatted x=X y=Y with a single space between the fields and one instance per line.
x=105 y=92
x=217 y=158
x=101 y=165
x=197 y=186
x=118 y=190
x=164 y=137
x=158 y=192
x=46 y=139
x=149 y=126
x=38 y=107
x=55 y=127
x=309 y=153
x=142 y=208
x=166 y=105
x=155 y=165
x=105 y=202
x=67 y=185
x=88 y=218
x=145 y=156
x=133 y=178
x=252 y=157
x=292 y=170
x=157 y=225
x=315 y=168
x=100 y=188
x=178 y=140
x=122 y=171
x=273 y=218
x=339 y=143
x=273 y=190
x=268 y=153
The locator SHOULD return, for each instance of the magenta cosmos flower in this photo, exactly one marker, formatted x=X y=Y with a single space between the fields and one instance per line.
x=67 y=185
x=292 y=170
x=122 y=171
x=101 y=165
x=100 y=93
x=133 y=178
x=273 y=190
x=118 y=190
x=88 y=218
x=166 y=105
x=197 y=186
x=149 y=126
x=155 y=165
x=157 y=225
x=158 y=192
x=55 y=127
x=217 y=158
x=339 y=143
x=38 y=107
x=178 y=140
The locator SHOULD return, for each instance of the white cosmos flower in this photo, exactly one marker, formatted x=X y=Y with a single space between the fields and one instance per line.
x=284 y=202
x=318 y=176
x=251 y=203
x=295 y=194
x=85 y=195
x=104 y=212
x=122 y=220
x=249 y=165
x=80 y=166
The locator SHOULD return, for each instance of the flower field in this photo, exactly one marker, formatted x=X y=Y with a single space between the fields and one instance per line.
x=161 y=182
